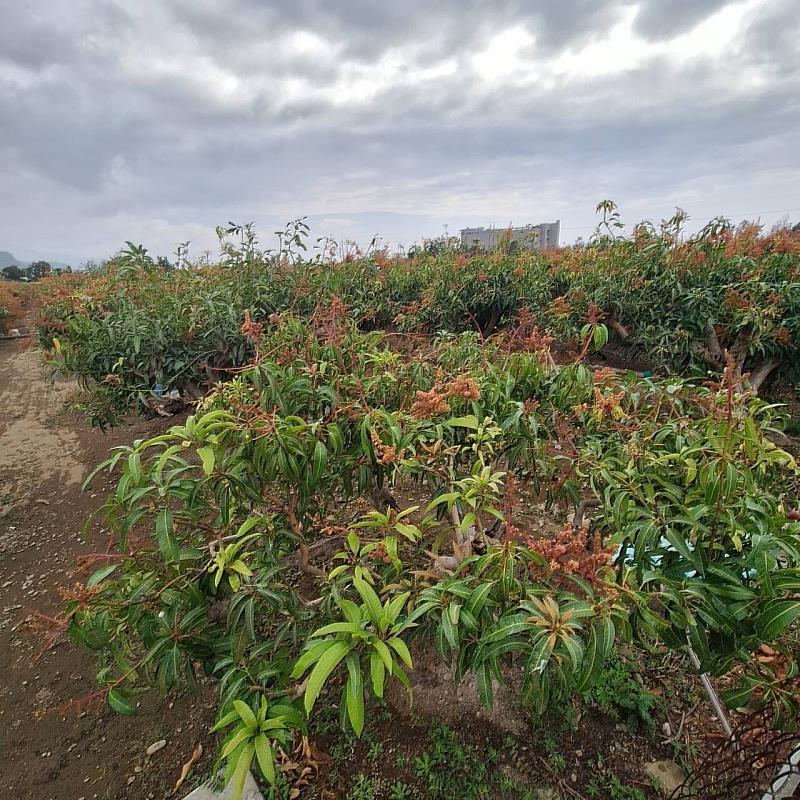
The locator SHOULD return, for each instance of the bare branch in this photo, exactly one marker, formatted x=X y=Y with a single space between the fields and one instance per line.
x=580 y=510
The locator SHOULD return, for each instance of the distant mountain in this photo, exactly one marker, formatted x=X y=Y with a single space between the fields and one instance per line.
x=7 y=260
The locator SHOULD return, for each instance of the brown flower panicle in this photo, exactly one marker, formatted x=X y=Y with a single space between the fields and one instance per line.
x=435 y=400
x=571 y=553
x=387 y=454
x=607 y=405
x=252 y=330
x=560 y=307
x=463 y=387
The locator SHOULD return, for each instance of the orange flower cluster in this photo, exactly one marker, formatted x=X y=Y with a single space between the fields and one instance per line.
x=594 y=314
x=10 y=308
x=734 y=300
x=560 y=307
x=697 y=258
x=604 y=405
x=774 y=299
x=252 y=330
x=746 y=241
x=526 y=337
x=429 y=404
x=387 y=454
x=785 y=241
x=531 y=406
x=607 y=405
x=328 y=321
x=603 y=374
x=464 y=387
x=783 y=337
x=435 y=401
x=571 y=552
x=80 y=593
x=380 y=554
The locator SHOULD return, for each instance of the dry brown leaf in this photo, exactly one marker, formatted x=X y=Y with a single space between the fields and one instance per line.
x=318 y=757
x=186 y=768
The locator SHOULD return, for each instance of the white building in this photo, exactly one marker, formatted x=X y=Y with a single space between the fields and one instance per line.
x=543 y=236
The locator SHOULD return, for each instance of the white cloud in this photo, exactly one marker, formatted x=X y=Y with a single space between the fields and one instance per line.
x=507 y=56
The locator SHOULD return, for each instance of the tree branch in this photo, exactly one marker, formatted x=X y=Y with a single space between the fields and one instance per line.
x=580 y=510
x=304 y=553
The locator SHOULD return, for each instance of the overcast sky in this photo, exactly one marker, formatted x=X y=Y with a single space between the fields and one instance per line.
x=156 y=121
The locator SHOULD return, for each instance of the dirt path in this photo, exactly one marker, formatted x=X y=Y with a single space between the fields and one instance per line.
x=47 y=750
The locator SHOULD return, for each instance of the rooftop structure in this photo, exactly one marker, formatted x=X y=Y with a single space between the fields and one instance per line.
x=543 y=236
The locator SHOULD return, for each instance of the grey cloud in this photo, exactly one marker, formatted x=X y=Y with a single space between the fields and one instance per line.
x=116 y=113
x=773 y=39
x=661 y=19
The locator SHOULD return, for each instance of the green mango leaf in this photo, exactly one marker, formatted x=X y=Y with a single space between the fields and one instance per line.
x=246 y=713
x=470 y=422
x=101 y=574
x=231 y=716
x=354 y=694
x=241 y=770
x=240 y=736
x=207 y=457
x=484 y=680
x=399 y=646
x=119 y=702
x=265 y=760
x=167 y=543
x=327 y=663
x=739 y=696
x=371 y=600
x=377 y=671
x=384 y=653
x=320 y=460
x=776 y=617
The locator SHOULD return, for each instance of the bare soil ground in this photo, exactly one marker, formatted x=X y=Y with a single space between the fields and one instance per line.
x=50 y=750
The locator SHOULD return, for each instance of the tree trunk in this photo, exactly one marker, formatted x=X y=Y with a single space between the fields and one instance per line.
x=492 y=323
x=719 y=359
x=761 y=373
x=712 y=353
x=738 y=353
x=617 y=326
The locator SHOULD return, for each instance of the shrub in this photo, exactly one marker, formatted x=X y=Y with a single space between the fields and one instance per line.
x=233 y=559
